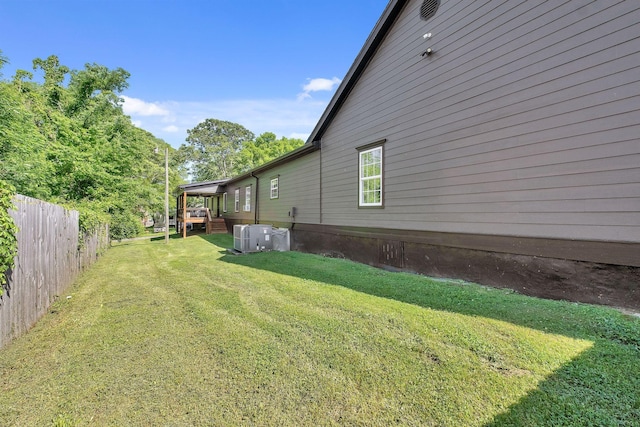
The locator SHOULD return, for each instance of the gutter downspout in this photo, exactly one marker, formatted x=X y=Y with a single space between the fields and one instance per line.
x=255 y=219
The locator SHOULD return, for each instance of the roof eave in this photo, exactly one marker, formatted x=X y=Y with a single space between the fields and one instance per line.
x=203 y=183
x=379 y=32
x=294 y=154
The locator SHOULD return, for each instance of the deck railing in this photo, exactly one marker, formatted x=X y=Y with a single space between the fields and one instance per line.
x=201 y=216
x=194 y=213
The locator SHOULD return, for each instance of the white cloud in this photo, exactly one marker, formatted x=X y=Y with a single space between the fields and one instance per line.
x=171 y=129
x=138 y=107
x=291 y=118
x=316 y=85
x=284 y=117
x=280 y=116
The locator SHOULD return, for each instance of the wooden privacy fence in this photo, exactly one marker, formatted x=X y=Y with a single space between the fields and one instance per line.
x=50 y=256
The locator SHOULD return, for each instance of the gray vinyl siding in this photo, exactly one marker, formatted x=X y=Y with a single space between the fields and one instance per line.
x=299 y=186
x=525 y=121
x=241 y=216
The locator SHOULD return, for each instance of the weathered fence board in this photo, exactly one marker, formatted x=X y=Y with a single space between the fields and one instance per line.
x=50 y=256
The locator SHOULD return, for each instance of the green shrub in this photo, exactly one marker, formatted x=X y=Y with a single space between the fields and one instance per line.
x=90 y=219
x=8 y=230
x=124 y=225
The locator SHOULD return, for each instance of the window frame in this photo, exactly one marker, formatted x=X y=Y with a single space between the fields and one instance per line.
x=236 y=204
x=224 y=202
x=369 y=148
x=276 y=188
x=247 y=199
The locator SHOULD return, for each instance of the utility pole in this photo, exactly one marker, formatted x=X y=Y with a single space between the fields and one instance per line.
x=166 y=195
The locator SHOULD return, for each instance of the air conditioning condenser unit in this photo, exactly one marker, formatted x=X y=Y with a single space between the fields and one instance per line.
x=252 y=237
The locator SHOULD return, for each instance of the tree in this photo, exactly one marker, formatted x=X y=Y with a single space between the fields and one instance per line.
x=3 y=60
x=96 y=85
x=23 y=148
x=213 y=147
x=8 y=230
x=54 y=75
x=264 y=149
x=72 y=144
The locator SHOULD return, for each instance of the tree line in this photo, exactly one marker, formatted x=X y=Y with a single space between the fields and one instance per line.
x=65 y=139
x=218 y=149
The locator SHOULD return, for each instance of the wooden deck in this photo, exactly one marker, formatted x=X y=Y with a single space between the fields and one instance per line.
x=213 y=225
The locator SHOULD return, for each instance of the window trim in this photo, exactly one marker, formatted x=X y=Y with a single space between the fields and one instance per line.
x=374 y=146
x=236 y=204
x=224 y=202
x=277 y=188
x=247 y=199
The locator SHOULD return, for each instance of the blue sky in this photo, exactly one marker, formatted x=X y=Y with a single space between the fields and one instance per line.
x=270 y=65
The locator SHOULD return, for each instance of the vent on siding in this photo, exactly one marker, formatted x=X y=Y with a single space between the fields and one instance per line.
x=428 y=9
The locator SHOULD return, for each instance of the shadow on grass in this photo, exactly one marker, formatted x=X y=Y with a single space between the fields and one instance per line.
x=171 y=237
x=600 y=387
x=179 y=235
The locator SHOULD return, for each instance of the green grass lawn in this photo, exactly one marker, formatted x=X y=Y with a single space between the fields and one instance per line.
x=185 y=334
x=148 y=232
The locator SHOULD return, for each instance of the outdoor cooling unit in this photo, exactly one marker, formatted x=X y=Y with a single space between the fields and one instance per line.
x=252 y=237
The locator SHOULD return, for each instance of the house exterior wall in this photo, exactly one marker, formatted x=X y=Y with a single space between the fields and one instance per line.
x=241 y=217
x=511 y=154
x=524 y=122
x=299 y=187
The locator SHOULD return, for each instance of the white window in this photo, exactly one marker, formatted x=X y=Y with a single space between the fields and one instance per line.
x=237 y=201
x=224 y=202
x=274 y=188
x=370 y=180
x=247 y=199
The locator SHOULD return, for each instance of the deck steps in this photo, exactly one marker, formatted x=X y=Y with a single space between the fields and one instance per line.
x=216 y=226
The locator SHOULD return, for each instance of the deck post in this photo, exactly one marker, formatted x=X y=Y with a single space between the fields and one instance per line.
x=184 y=215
